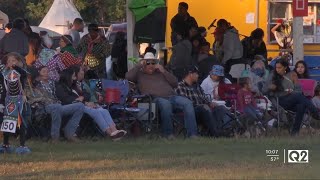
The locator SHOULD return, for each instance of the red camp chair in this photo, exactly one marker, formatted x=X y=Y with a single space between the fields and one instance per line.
x=308 y=86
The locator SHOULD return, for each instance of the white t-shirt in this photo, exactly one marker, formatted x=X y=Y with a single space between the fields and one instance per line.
x=211 y=87
x=75 y=36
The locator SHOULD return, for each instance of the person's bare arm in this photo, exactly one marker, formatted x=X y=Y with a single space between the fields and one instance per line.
x=274 y=29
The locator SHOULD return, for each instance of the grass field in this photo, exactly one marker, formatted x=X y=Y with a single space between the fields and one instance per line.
x=143 y=158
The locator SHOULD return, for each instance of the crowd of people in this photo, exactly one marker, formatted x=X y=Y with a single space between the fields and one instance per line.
x=193 y=82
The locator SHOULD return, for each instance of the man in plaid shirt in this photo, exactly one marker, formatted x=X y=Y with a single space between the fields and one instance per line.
x=205 y=110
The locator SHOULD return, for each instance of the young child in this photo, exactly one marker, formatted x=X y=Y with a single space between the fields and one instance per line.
x=246 y=103
x=13 y=120
x=316 y=98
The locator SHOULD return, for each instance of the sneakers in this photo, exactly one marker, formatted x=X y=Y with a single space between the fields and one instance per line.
x=23 y=150
x=74 y=139
x=118 y=135
x=316 y=116
x=6 y=149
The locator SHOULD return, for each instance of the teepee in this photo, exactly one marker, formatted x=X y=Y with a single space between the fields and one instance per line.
x=60 y=15
x=4 y=19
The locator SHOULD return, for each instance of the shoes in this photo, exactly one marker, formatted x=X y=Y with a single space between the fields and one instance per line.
x=316 y=116
x=260 y=125
x=23 y=150
x=194 y=137
x=118 y=135
x=74 y=139
x=6 y=149
x=169 y=137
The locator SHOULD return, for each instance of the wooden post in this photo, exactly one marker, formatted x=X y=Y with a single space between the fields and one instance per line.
x=131 y=46
x=298 y=51
x=257 y=13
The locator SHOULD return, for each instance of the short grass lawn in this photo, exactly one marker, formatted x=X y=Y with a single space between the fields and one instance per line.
x=145 y=158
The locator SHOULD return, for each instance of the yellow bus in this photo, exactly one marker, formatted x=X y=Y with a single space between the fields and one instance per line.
x=246 y=15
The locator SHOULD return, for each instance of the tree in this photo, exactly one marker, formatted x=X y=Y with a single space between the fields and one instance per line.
x=97 y=11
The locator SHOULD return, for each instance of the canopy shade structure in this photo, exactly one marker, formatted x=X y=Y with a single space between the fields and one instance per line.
x=4 y=19
x=150 y=17
x=61 y=13
x=51 y=33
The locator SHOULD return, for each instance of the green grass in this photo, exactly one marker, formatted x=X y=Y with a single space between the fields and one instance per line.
x=179 y=159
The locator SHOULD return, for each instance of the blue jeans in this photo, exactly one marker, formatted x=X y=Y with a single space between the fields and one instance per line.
x=166 y=106
x=101 y=117
x=298 y=103
x=253 y=112
x=57 y=111
x=213 y=118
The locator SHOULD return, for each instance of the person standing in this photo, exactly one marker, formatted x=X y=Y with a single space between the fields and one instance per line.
x=74 y=32
x=94 y=48
x=181 y=22
x=16 y=40
x=231 y=46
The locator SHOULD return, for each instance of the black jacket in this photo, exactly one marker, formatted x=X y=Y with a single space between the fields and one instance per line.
x=178 y=24
x=65 y=94
x=249 y=51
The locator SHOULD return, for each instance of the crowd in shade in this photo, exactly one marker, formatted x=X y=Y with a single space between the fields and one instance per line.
x=197 y=81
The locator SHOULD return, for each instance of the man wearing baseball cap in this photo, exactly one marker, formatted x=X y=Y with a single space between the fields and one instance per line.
x=205 y=110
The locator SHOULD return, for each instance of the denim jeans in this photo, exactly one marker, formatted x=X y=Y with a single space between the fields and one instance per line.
x=252 y=112
x=213 y=118
x=166 y=106
x=101 y=117
x=57 y=111
x=298 y=103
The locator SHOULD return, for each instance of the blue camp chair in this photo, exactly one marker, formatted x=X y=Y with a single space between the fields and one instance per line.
x=313 y=64
x=123 y=111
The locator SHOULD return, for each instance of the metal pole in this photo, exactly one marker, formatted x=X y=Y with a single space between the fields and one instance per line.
x=257 y=13
x=298 y=51
x=131 y=46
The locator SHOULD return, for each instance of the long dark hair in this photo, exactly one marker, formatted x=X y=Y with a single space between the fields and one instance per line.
x=277 y=78
x=35 y=41
x=305 y=75
x=119 y=45
x=66 y=77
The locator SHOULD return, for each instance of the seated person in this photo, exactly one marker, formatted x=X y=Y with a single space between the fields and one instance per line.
x=302 y=70
x=65 y=45
x=316 y=98
x=44 y=92
x=68 y=93
x=154 y=80
x=210 y=114
x=211 y=83
x=258 y=76
x=284 y=85
x=247 y=103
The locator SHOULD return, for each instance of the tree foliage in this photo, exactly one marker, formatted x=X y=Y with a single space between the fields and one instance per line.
x=95 y=11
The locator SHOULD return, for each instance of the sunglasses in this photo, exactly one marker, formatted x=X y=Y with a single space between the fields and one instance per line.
x=153 y=63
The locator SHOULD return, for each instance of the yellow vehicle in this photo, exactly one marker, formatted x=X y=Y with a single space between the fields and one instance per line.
x=246 y=15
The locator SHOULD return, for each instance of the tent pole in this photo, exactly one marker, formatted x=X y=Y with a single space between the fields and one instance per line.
x=131 y=46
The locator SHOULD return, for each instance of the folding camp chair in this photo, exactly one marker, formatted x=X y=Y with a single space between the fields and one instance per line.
x=237 y=70
x=117 y=96
x=308 y=86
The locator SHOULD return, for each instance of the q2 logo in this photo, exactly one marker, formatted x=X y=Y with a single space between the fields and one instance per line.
x=298 y=156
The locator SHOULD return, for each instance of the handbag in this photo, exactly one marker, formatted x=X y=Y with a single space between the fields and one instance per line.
x=90 y=60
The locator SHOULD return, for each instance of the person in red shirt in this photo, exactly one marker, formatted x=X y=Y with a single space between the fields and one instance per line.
x=247 y=103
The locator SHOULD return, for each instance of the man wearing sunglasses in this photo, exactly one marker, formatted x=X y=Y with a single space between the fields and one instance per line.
x=154 y=80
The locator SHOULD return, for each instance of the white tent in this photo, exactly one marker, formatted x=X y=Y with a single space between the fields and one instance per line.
x=4 y=19
x=60 y=15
